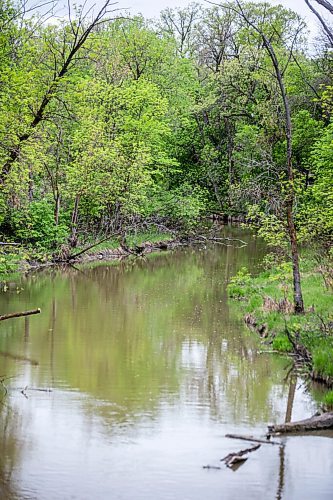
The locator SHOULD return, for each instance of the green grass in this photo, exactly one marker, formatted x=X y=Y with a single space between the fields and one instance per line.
x=323 y=361
x=328 y=400
x=313 y=329
x=281 y=343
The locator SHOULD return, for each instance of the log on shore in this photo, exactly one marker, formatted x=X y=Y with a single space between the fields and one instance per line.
x=324 y=421
x=19 y=314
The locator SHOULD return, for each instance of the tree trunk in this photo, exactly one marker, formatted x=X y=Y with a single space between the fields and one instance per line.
x=324 y=421
x=290 y=198
x=298 y=297
x=56 y=208
x=75 y=214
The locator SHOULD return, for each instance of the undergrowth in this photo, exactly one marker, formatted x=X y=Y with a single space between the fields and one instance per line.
x=268 y=300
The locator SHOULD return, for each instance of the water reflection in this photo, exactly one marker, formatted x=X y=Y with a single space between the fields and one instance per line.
x=148 y=364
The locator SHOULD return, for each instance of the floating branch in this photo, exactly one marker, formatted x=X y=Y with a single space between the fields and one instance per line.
x=251 y=438
x=19 y=314
x=239 y=457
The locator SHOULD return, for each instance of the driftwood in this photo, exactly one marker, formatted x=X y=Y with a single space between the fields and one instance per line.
x=324 y=421
x=19 y=314
x=251 y=438
x=236 y=458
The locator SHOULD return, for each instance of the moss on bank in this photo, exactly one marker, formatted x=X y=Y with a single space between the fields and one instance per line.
x=266 y=301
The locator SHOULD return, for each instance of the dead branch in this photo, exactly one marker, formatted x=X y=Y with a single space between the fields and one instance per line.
x=238 y=457
x=251 y=438
x=19 y=314
x=325 y=26
x=89 y=247
x=327 y=5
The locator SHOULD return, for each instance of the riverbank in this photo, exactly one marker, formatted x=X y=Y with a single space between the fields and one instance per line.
x=19 y=258
x=266 y=304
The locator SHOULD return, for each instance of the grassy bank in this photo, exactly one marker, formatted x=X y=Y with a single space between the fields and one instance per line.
x=266 y=302
x=16 y=259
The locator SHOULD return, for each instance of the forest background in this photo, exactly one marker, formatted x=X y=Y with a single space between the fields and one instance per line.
x=110 y=122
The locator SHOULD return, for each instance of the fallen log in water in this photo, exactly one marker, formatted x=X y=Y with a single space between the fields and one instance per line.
x=19 y=314
x=251 y=438
x=318 y=422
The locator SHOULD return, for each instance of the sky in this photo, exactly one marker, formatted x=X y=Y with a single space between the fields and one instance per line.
x=151 y=8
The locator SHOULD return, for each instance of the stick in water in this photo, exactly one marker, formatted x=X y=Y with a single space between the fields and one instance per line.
x=251 y=438
x=19 y=314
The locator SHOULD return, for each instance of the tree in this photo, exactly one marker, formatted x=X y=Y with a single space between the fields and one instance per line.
x=180 y=24
x=279 y=67
x=74 y=38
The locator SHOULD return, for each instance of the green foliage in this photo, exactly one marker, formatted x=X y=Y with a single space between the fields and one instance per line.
x=328 y=400
x=35 y=225
x=312 y=330
x=240 y=285
x=269 y=227
x=9 y=261
x=282 y=273
x=184 y=205
x=281 y=343
x=318 y=201
x=147 y=122
x=323 y=362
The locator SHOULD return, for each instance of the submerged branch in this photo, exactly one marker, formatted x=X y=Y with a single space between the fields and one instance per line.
x=251 y=438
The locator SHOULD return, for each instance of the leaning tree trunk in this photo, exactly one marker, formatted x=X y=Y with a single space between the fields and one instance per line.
x=298 y=297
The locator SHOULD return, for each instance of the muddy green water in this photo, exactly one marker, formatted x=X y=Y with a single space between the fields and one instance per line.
x=149 y=368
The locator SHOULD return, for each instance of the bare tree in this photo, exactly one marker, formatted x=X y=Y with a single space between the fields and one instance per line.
x=180 y=24
x=23 y=9
x=326 y=27
x=216 y=38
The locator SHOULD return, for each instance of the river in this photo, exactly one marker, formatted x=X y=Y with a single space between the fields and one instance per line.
x=126 y=384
